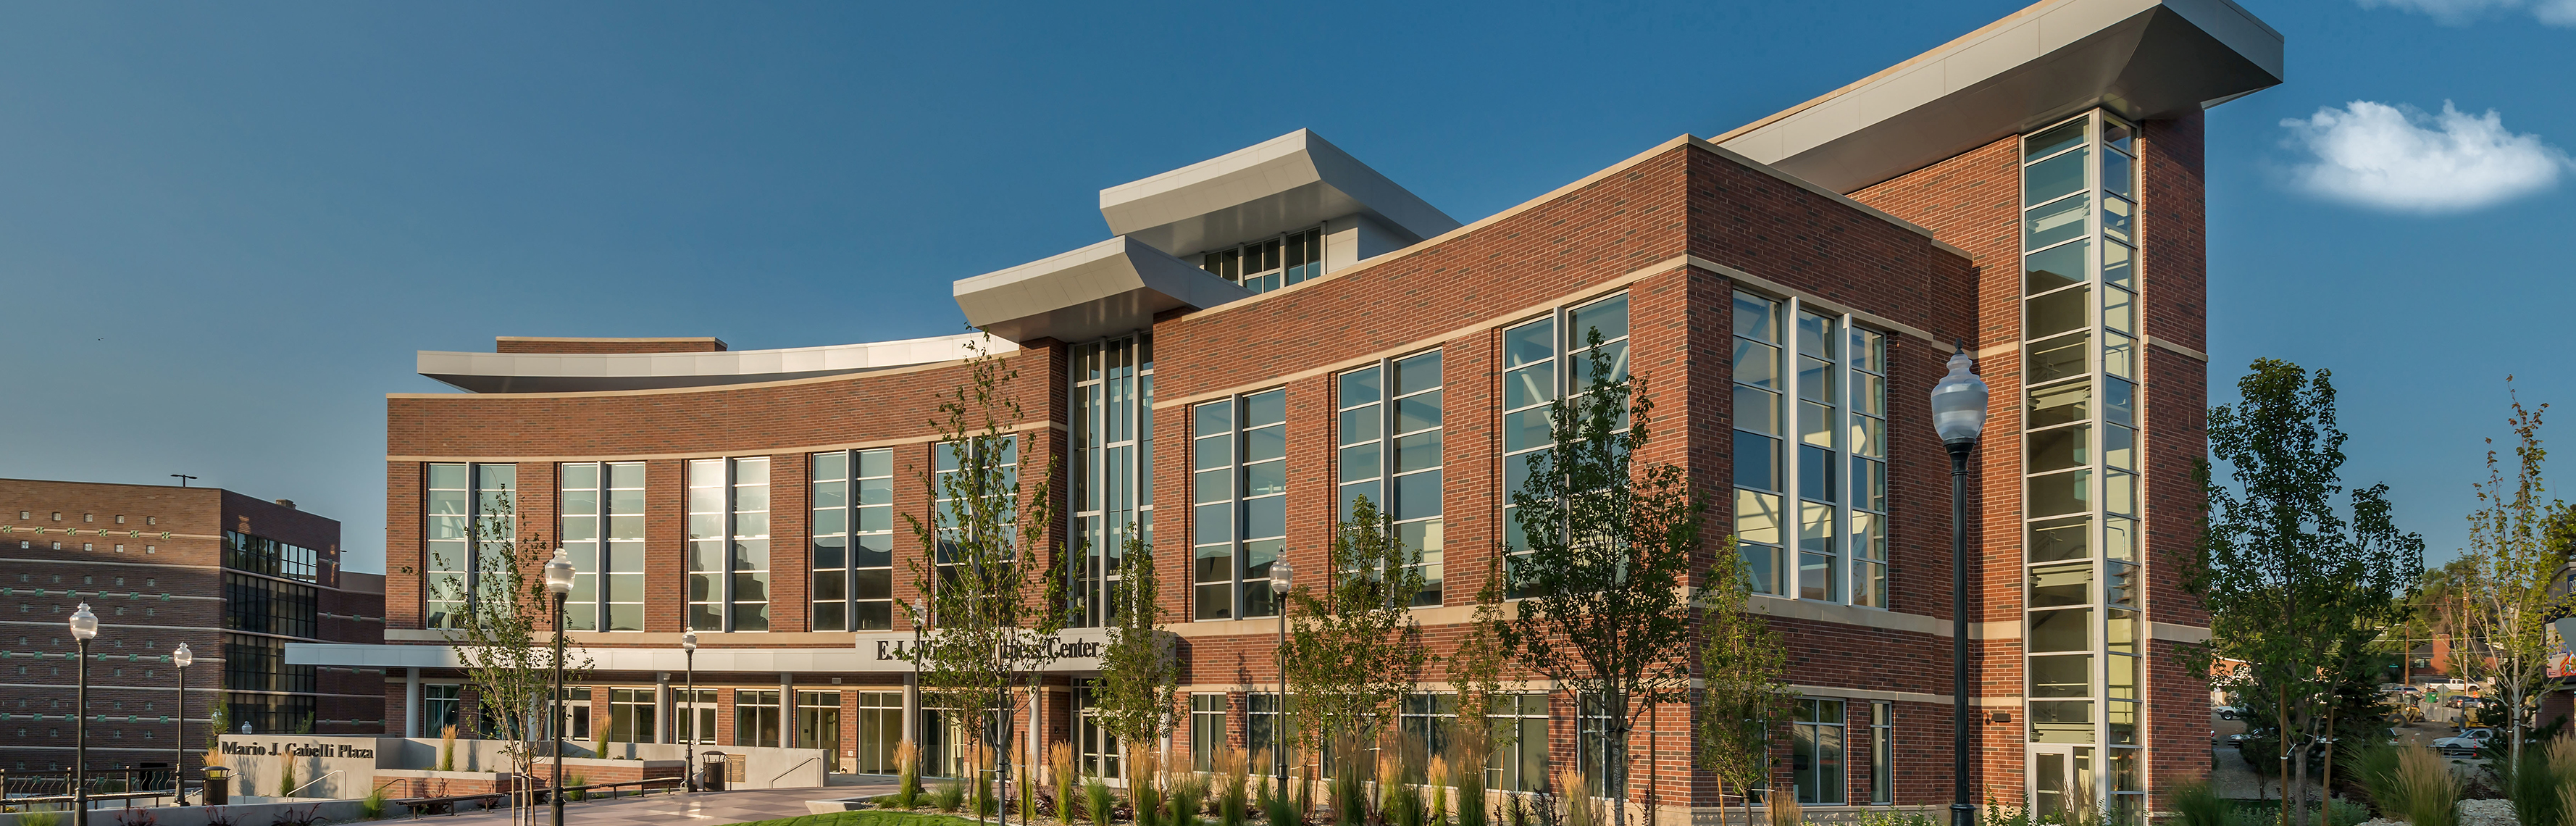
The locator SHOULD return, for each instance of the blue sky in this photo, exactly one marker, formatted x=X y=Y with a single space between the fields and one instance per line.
x=225 y=230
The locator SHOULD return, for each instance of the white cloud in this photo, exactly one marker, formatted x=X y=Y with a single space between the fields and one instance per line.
x=2405 y=160
x=2464 y=12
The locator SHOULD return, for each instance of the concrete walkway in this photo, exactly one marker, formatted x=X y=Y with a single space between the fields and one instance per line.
x=705 y=807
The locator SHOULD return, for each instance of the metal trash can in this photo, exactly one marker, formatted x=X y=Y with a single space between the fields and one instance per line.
x=711 y=771
x=218 y=786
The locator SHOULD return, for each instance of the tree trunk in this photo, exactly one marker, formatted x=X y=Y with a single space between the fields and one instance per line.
x=2281 y=713
x=2326 y=782
x=1616 y=779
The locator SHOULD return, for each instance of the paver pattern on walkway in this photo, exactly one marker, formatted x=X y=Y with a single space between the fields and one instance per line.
x=704 y=807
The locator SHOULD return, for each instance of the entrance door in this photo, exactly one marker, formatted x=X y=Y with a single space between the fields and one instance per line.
x=2062 y=782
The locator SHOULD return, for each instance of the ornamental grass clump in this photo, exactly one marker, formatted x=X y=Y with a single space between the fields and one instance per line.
x=1581 y=809
x=907 y=770
x=1097 y=803
x=1185 y=793
x=1784 y=809
x=446 y=748
x=1234 y=783
x=2196 y=803
x=2427 y=793
x=1470 y=748
x=950 y=797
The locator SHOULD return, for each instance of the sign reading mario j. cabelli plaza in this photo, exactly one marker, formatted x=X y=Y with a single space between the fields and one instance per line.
x=330 y=750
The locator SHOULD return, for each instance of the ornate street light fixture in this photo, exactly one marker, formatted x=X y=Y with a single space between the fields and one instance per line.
x=559 y=583
x=1959 y=416
x=689 y=657
x=178 y=748
x=1282 y=577
x=84 y=629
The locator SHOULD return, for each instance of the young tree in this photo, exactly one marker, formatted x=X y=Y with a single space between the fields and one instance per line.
x=1356 y=651
x=2512 y=565
x=1140 y=669
x=1609 y=544
x=988 y=631
x=2295 y=588
x=1744 y=668
x=505 y=641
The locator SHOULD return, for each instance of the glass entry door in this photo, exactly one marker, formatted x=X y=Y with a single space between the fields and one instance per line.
x=2062 y=782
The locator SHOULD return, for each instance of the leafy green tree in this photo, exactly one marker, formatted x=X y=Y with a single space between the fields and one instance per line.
x=506 y=639
x=1355 y=650
x=1744 y=669
x=1140 y=667
x=1609 y=545
x=2295 y=587
x=2508 y=602
x=993 y=602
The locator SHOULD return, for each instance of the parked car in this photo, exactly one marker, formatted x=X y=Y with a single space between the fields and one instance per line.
x=2467 y=742
x=2230 y=712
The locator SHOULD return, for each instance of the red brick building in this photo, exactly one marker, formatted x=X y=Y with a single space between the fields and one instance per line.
x=1274 y=332
x=233 y=577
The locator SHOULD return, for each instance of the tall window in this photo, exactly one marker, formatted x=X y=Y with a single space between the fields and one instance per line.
x=1264 y=727
x=261 y=555
x=950 y=513
x=1868 y=450
x=755 y=717
x=853 y=530
x=631 y=715
x=1832 y=387
x=1759 y=476
x=2080 y=488
x=1207 y=730
x=1389 y=427
x=1430 y=720
x=880 y=728
x=1882 y=752
x=729 y=544
x=469 y=530
x=1240 y=492
x=603 y=531
x=572 y=713
x=1519 y=758
x=1816 y=751
x=1113 y=464
x=1543 y=360
x=1269 y=264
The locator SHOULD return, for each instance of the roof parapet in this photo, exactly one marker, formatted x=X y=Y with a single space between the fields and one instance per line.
x=582 y=372
x=1110 y=287
x=1290 y=182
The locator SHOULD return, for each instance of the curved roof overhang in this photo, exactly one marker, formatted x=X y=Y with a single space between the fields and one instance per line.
x=2139 y=58
x=583 y=372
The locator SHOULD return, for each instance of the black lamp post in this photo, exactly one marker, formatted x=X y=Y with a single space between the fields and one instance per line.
x=178 y=748
x=1282 y=577
x=84 y=629
x=689 y=659
x=559 y=583
x=1959 y=416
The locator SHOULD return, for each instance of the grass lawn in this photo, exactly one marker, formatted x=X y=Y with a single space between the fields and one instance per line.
x=869 y=817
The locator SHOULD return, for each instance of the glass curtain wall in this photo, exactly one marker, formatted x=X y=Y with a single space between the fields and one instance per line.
x=729 y=544
x=853 y=530
x=1239 y=494
x=2080 y=281
x=1113 y=460
x=469 y=528
x=602 y=528
x=1389 y=426
x=1836 y=377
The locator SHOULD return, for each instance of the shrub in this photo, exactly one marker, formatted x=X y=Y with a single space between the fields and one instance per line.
x=40 y=819
x=135 y=817
x=949 y=798
x=311 y=816
x=576 y=779
x=1892 y=817
x=373 y=806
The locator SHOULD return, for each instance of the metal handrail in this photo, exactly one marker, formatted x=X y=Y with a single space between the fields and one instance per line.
x=774 y=779
x=325 y=776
